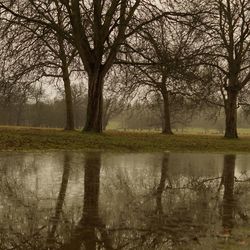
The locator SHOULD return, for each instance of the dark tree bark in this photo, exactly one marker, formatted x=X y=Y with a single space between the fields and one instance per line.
x=228 y=198
x=95 y=103
x=231 y=114
x=70 y=124
x=166 y=124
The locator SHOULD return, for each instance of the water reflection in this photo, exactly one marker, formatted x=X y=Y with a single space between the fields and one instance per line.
x=228 y=197
x=73 y=201
x=54 y=221
x=162 y=184
x=87 y=229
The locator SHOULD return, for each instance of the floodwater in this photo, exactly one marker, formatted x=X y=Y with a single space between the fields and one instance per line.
x=77 y=200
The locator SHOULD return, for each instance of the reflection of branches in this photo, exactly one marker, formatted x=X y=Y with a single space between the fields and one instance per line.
x=25 y=242
x=240 y=180
x=179 y=223
x=17 y=196
x=166 y=231
x=13 y=195
x=193 y=184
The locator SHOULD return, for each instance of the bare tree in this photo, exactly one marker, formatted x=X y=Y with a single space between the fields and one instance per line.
x=20 y=69
x=163 y=56
x=56 y=54
x=224 y=26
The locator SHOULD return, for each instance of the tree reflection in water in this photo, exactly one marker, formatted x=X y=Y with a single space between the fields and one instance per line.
x=90 y=224
x=228 y=205
x=168 y=210
x=162 y=184
x=60 y=201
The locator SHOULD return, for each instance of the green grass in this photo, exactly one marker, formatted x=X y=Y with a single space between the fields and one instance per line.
x=21 y=138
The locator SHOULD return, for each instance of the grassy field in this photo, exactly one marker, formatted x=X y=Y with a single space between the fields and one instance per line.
x=22 y=139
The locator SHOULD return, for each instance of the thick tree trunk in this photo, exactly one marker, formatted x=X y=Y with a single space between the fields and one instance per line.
x=231 y=114
x=68 y=100
x=166 y=123
x=95 y=104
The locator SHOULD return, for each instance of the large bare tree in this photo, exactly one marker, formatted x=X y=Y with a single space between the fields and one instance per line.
x=225 y=27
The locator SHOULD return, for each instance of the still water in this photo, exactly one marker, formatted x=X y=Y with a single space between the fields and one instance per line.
x=73 y=201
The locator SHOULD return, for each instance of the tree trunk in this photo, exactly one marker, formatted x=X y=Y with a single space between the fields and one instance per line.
x=95 y=104
x=66 y=80
x=70 y=125
x=166 y=124
x=231 y=114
